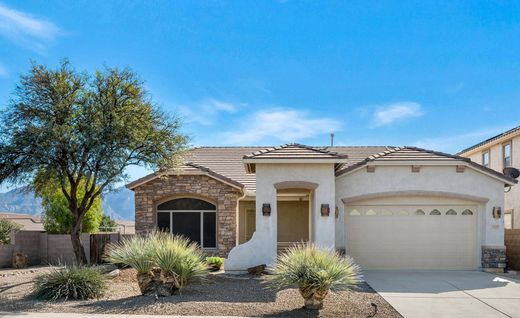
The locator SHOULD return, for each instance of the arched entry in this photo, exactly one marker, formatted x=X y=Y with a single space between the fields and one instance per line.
x=193 y=218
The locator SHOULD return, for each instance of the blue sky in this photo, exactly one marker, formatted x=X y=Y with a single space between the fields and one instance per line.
x=436 y=75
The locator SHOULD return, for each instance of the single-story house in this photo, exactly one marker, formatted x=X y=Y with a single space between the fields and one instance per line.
x=387 y=207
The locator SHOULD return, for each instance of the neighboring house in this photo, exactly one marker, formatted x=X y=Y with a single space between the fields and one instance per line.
x=388 y=207
x=27 y=221
x=125 y=226
x=497 y=153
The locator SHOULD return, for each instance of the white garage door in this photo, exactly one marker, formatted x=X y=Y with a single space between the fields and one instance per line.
x=412 y=237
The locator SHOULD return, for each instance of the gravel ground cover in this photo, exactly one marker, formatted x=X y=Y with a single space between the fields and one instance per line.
x=224 y=295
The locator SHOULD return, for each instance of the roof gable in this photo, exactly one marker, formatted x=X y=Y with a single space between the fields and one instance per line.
x=294 y=151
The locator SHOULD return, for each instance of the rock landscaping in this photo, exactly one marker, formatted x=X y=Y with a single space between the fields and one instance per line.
x=243 y=295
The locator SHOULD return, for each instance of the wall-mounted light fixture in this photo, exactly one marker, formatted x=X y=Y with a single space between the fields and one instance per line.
x=266 y=209
x=325 y=210
x=497 y=212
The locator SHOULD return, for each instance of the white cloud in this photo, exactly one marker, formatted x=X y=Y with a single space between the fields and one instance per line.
x=287 y=125
x=388 y=114
x=26 y=30
x=455 y=143
x=206 y=112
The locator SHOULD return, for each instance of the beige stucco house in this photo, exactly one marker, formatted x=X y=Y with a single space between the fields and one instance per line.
x=387 y=207
x=497 y=153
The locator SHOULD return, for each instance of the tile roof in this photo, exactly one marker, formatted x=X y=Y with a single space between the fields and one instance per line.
x=409 y=153
x=489 y=140
x=227 y=162
x=294 y=151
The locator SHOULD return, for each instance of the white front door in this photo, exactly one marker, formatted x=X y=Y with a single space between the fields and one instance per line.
x=400 y=236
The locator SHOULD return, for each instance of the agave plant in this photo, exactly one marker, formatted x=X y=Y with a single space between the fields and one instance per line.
x=165 y=263
x=314 y=272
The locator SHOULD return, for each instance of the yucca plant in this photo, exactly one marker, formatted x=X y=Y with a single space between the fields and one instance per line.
x=165 y=263
x=136 y=252
x=314 y=272
x=181 y=262
x=71 y=282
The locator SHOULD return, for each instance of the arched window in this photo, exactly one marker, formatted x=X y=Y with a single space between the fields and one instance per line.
x=435 y=212
x=451 y=212
x=194 y=218
x=419 y=212
x=467 y=212
x=371 y=213
x=354 y=212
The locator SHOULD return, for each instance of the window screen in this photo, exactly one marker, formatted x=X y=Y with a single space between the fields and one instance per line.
x=210 y=229
x=187 y=224
x=163 y=221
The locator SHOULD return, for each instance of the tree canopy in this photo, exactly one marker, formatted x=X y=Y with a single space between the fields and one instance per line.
x=84 y=129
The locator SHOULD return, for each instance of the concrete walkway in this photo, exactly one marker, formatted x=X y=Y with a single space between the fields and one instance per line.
x=70 y=315
x=470 y=294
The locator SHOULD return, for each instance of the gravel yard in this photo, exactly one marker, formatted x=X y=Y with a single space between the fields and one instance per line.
x=223 y=295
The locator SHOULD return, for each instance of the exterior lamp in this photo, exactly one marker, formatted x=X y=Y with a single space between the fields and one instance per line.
x=497 y=212
x=325 y=210
x=266 y=209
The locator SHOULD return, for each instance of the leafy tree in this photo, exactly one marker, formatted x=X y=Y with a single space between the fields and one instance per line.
x=107 y=224
x=84 y=130
x=57 y=218
x=6 y=227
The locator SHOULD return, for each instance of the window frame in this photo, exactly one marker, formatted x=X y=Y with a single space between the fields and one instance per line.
x=510 y=212
x=201 y=212
x=504 y=144
x=488 y=153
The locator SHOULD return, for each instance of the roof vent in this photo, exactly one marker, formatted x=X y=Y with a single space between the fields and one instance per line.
x=511 y=172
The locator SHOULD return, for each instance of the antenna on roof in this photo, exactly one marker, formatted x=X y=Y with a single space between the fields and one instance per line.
x=331 y=139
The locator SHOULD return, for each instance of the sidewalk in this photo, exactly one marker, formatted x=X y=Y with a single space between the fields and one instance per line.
x=72 y=315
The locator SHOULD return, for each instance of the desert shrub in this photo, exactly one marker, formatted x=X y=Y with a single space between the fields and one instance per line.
x=6 y=227
x=314 y=272
x=165 y=263
x=215 y=263
x=181 y=261
x=71 y=282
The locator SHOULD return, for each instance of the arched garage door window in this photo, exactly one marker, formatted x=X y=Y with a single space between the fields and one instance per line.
x=194 y=218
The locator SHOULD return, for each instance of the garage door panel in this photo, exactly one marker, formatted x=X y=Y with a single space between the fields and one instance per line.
x=395 y=237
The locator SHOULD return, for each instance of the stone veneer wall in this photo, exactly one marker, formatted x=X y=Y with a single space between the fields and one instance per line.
x=161 y=189
x=493 y=258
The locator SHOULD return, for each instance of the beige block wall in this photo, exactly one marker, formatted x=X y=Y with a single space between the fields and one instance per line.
x=512 y=239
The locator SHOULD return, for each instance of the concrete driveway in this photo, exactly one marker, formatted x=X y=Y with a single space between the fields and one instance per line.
x=472 y=294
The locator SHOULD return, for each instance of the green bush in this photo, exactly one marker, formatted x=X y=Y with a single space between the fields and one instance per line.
x=165 y=263
x=6 y=227
x=314 y=272
x=71 y=282
x=215 y=263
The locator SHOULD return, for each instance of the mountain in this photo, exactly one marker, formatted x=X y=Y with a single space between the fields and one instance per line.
x=118 y=204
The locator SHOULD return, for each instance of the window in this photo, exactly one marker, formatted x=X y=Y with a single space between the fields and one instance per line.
x=485 y=158
x=193 y=218
x=451 y=212
x=435 y=212
x=506 y=151
x=467 y=212
x=371 y=213
x=419 y=212
x=355 y=212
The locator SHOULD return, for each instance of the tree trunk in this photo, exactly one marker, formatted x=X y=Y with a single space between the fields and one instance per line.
x=313 y=298
x=81 y=258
